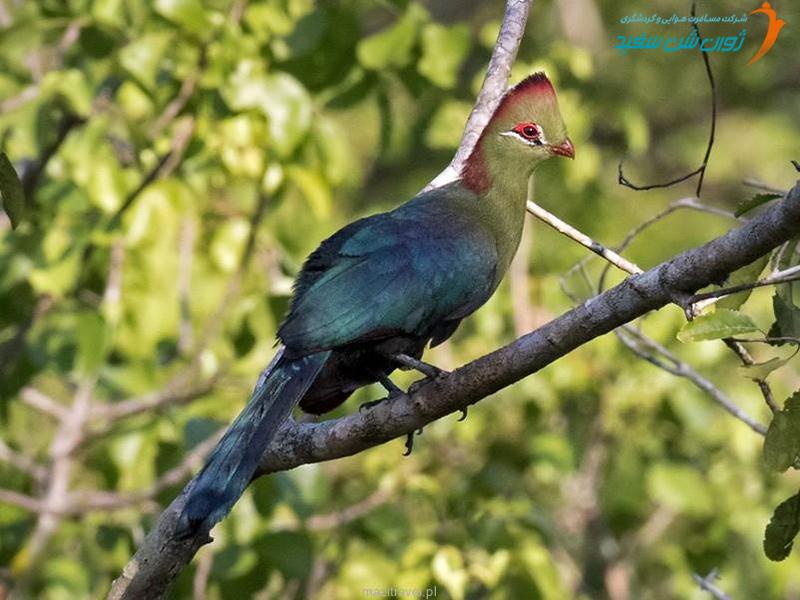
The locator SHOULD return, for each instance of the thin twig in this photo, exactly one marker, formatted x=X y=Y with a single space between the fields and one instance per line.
x=706 y=584
x=349 y=514
x=163 y=167
x=583 y=239
x=21 y=500
x=679 y=368
x=81 y=502
x=701 y=170
x=778 y=277
x=24 y=463
x=748 y=361
x=215 y=323
x=767 y=340
x=179 y=390
x=43 y=403
x=185 y=92
x=764 y=187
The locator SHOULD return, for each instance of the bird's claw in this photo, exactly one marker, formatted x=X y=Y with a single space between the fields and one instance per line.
x=410 y=441
x=463 y=414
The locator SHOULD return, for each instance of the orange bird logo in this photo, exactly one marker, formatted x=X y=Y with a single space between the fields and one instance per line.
x=775 y=25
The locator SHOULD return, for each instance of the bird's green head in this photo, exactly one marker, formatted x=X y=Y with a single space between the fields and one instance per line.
x=525 y=130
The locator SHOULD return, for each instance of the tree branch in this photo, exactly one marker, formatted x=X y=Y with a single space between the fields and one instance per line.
x=679 y=368
x=22 y=462
x=162 y=556
x=43 y=403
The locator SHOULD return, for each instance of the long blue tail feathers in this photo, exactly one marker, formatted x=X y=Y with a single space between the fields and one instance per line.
x=233 y=461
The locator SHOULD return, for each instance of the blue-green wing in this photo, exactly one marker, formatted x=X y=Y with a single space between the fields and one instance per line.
x=389 y=274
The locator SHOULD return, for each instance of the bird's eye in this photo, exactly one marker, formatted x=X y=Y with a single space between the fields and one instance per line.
x=528 y=132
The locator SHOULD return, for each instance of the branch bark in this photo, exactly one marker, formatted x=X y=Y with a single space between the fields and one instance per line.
x=163 y=556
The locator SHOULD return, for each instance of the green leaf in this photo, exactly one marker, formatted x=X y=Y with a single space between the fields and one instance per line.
x=782 y=529
x=786 y=259
x=94 y=338
x=393 y=47
x=228 y=244
x=787 y=318
x=782 y=442
x=143 y=58
x=680 y=487
x=448 y=568
x=760 y=371
x=443 y=50
x=717 y=325
x=747 y=274
x=188 y=14
x=313 y=189
x=280 y=97
x=11 y=191
x=746 y=206
x=447 y=125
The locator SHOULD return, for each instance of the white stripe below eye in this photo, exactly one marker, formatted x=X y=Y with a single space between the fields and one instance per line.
x=540 y=141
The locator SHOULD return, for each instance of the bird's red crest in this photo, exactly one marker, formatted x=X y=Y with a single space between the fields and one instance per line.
x=532 y=86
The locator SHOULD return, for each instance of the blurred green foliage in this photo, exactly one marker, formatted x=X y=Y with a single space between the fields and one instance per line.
x=259 y=128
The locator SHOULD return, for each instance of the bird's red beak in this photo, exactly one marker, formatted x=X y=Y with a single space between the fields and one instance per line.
x=564 y=149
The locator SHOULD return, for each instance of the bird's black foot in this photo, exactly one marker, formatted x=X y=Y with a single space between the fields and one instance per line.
x=410 y=441
x=463 y=414
x=426 y=369
x=389 y=386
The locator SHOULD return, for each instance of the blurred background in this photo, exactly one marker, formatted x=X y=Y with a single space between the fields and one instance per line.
x=183 y=157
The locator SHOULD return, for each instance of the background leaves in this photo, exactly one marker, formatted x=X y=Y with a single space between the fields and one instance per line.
x=222 y=142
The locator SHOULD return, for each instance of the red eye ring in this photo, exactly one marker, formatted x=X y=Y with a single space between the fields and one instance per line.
x=529 y=131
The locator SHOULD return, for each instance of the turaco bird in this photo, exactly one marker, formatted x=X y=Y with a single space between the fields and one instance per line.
x=378 y=291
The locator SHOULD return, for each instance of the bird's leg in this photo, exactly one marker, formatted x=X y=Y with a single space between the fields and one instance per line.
x=412 y=363
x=389 y=386
x=410 y=441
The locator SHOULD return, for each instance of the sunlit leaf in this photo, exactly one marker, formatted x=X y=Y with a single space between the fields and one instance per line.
x=313 y=188
x=279 y=96
x=760 y=371
x=94 y=338
x=393 y=47
x=143 y=57
x=746 y=206
x=717 y=325
x=447 y=125
x=443 y=50
x=680 y=487
x=448 y=568
x=747 y=274
x=189 y=14
x=228 y=244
